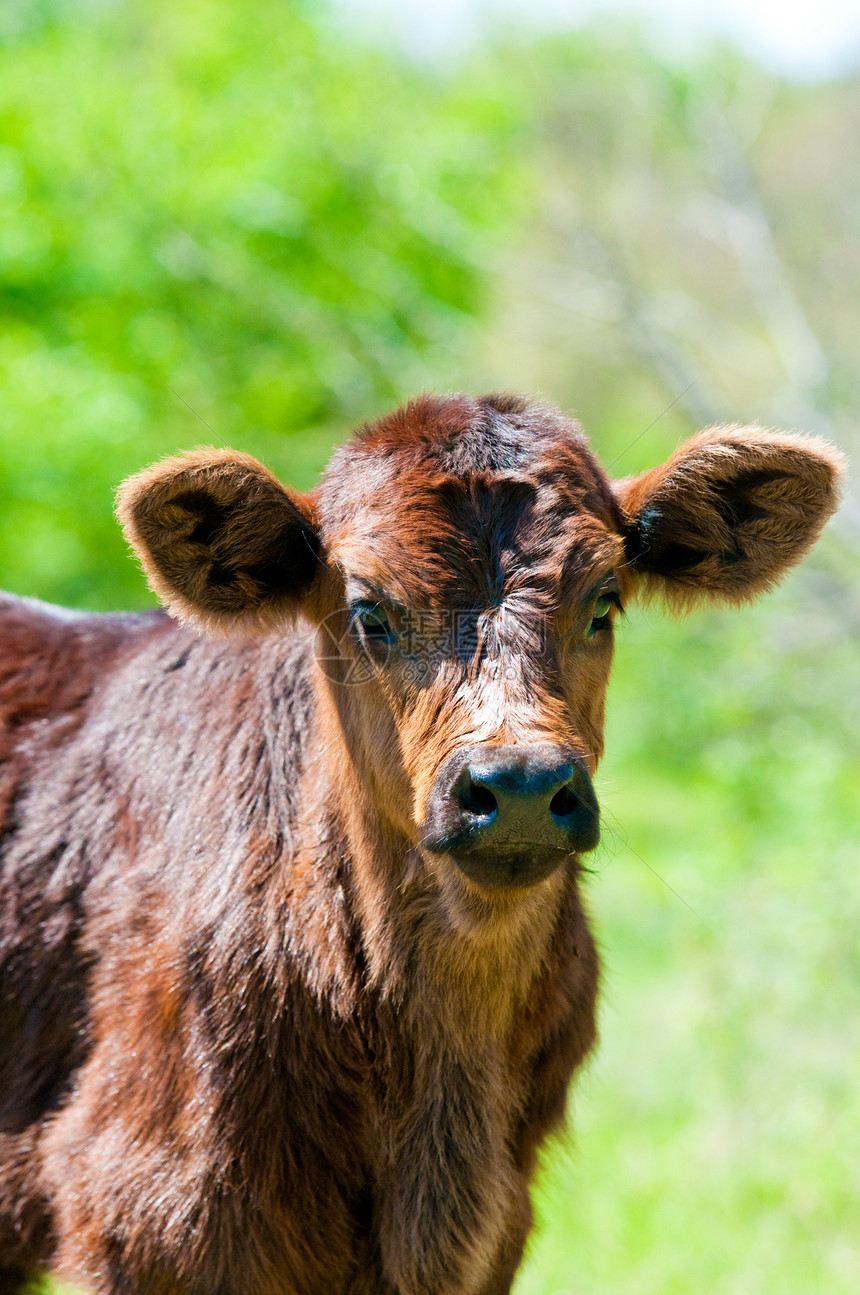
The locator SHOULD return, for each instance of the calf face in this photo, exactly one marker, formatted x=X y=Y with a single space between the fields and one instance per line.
x=464 y=561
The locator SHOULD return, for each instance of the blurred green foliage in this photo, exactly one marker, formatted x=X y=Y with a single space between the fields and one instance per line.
x=225 y=206
x=260 y=212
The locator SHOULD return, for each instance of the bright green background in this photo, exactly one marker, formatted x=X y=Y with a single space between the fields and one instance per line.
x=256 y=214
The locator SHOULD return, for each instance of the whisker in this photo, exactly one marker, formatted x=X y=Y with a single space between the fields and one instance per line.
x=621 y=834
x=653 y=422
x=196 y=415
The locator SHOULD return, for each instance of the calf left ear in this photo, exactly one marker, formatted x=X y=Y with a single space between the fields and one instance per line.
x=729 y=513
x=223 y=544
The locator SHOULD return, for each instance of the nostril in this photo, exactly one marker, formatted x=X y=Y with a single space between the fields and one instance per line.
x=564 y=802
x=478 y=800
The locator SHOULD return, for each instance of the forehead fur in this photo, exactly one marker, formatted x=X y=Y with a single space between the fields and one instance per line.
x=456 y=498
x=461 y=434
x=464 y=434
x=461 y=437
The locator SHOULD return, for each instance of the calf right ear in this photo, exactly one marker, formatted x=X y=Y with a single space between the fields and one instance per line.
x=223 y=544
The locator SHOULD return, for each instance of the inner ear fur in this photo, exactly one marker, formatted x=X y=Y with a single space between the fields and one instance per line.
x=223 y=543
x=729 y=513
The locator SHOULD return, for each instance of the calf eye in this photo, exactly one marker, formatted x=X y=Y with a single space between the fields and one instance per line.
x=601 y=619
x=373 y=624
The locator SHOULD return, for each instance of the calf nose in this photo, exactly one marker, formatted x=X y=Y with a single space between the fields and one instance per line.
x=521 y=796
x=511 y=814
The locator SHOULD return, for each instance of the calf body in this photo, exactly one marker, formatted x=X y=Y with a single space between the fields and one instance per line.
x=295 y=970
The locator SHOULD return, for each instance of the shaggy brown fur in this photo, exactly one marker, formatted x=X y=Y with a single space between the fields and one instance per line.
x=257 y=1038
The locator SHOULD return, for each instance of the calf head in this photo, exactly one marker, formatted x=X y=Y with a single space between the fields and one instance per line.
x=464 y=561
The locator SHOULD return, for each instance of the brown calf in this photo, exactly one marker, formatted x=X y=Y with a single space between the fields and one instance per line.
x=295 y=970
